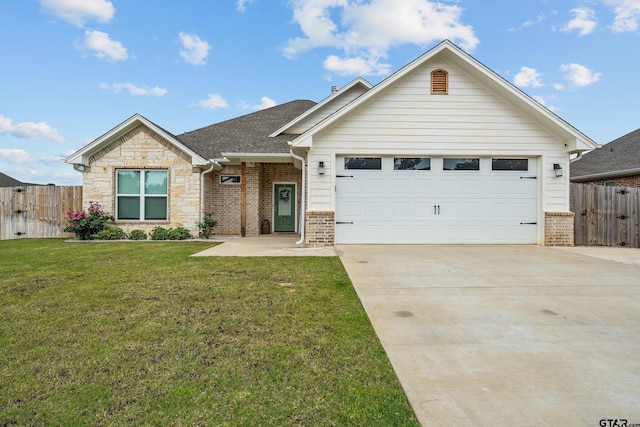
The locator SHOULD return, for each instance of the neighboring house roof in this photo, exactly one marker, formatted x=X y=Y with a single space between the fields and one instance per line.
x=619 y=157
x=7 y=181
x=246 y=134
x=82 y=156
x=576 y=141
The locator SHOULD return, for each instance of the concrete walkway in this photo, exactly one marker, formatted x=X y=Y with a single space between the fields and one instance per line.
x=506 y=335
x=265 y=245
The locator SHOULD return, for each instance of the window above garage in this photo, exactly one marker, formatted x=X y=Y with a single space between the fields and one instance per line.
x=510 y=165
x=363 y=163
x=461 y=164
x=412 y=163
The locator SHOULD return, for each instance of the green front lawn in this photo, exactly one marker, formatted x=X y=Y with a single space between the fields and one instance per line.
x=139 y=333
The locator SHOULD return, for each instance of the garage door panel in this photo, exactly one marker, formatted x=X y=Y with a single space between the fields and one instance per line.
x=408 y=234
x=437 y=206
x=410 y=209
x=372 y=186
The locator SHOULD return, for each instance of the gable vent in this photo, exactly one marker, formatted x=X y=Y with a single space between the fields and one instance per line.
x=439 y=82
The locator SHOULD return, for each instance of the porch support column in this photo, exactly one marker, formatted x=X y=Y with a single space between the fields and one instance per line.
x=243 y=200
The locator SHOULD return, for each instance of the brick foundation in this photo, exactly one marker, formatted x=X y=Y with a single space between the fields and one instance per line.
x=558 y=228
x=319 y=230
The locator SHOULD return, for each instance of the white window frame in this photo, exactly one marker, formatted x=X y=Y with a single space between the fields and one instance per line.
x=232 y=176
x=142 y=196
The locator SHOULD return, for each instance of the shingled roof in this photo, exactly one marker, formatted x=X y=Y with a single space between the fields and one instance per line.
x=617 y=158
x=7 y=181
x=246 y=134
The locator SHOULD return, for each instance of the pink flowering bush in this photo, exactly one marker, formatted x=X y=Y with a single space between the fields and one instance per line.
x=87 y=224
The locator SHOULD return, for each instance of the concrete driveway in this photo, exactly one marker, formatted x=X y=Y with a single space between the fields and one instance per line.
x=505 y=335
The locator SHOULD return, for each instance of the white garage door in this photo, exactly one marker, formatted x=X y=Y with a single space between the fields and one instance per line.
x=405 y=200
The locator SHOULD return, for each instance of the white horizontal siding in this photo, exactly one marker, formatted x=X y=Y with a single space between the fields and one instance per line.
x=471 y=120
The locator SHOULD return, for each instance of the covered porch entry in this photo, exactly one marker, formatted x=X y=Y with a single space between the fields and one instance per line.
x=251 y=198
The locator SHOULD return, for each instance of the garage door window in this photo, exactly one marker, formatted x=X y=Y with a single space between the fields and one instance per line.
x=412 y=164
x=460 y=164
x=362 y=163
x=510 y=164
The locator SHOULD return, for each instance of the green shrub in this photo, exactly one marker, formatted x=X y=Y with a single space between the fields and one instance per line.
x=86 y=225
x=114 y=233
x=207 y=225
x=137 y=235
x=178 y=233
x=159 y=233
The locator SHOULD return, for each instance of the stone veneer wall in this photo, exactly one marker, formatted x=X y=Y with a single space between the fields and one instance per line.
x=320 y=228
x=141 y=148
x=558 y=228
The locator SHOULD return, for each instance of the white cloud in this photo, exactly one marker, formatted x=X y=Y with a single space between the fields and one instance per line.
x=103 y=47
x=579 y=75
x=583 y=22
x=16 y=156
x=528 y=77
x=365 y=31
x=78 y=11
x=30 y=130
x=133 y=89
x=265 y=102
x=213 y=102
x=558 y=86
x=531 y=22
x=627 y=15
x=355 y=66
x=241 y=4
x=194 y=49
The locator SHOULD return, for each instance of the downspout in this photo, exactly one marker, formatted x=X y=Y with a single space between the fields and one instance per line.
x=302 y=199
x=213 y=164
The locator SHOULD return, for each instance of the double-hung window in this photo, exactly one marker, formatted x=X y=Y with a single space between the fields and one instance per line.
x=141 y=195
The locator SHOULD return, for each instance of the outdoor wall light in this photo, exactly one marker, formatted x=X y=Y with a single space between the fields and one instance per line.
x=320 y=168
x=557 y=169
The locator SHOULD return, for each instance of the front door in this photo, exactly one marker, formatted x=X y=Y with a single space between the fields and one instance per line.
x=284 y=208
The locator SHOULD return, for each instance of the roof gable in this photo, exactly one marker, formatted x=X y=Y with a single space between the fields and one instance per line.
x=82 y=156
x=575 y=140
x=325 y=108
x=617 y=158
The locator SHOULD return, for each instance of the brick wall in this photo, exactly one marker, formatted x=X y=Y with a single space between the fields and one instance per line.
x=225 y=200
x=558 y=228
x=320 y=228
x=142 y=148
x=623 y=181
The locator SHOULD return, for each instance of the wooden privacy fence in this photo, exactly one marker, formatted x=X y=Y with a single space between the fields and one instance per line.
x=606 y=216
x=37 y=211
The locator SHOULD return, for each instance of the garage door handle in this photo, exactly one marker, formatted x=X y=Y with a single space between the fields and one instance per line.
x=344 y=222
x=436 y=209
x=528 y=223
x=528 y=177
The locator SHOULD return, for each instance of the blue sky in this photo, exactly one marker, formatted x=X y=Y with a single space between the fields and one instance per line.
x=72 y=70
